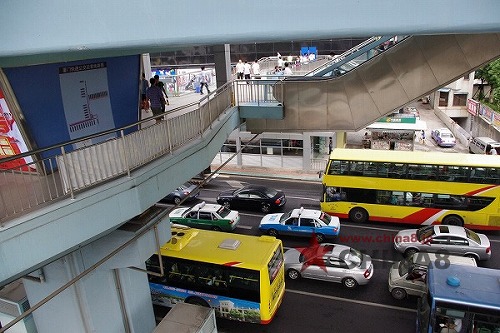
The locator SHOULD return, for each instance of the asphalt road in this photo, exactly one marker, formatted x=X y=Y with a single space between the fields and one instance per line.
x=316 y=306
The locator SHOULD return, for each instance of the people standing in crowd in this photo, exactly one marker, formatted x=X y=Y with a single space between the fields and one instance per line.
x=205 y=79
x=240 y=68
x=144 y=89
x=287 y=70
x=256 y=69
x=280 y=62
x=156 y=99
x=277 y=71
x=247 y=71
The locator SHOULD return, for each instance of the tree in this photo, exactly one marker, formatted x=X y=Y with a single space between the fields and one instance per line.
x=490 y=74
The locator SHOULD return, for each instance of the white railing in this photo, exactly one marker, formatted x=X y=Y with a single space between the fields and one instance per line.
x=60 y=171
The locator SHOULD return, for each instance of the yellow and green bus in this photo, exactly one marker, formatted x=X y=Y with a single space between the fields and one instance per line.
x=240 y=276
x=413 y=187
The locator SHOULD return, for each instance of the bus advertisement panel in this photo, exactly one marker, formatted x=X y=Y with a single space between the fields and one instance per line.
x=241 y=277
x=420 y=188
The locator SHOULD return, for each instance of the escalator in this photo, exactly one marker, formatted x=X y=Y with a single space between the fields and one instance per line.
x=412 y=68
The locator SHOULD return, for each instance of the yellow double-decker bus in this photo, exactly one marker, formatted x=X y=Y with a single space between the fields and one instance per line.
x=413 y=187
x=241 y=277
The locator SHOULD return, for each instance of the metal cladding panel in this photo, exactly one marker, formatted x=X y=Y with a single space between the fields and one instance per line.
x=360 y=101
x=480 y=49
x=444 y=56
x=339 y=113
x=382 y=84
x=313 y=99
x=413 y=72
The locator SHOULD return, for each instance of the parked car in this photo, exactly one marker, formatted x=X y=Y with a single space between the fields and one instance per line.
x=253 y=197
x=479 y=145
x=301 y=222
x=447 y=239
x=443 y=137
x=187 y=190
x=329 y=262
x=206 y=216
x=408 y=276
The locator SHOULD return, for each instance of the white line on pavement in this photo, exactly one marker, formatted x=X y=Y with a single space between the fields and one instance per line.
x=351 y=300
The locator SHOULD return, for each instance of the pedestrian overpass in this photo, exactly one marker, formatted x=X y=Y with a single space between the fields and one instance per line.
x=87 y=237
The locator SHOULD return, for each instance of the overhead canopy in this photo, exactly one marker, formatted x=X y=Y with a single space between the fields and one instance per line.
x=417 y=126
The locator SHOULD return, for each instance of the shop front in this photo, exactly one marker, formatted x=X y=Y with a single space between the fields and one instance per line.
x=394 y=133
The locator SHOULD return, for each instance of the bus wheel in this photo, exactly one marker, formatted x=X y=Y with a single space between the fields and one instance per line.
x=453 y=220
x=272 y=232
x=320 y=238
x=197 y=301
x=349 y=283
x=398 y=293
x=410 y=252
x=358 y=215
x=293 y=274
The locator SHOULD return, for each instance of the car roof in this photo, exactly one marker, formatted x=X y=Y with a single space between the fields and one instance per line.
x=443 y=129
x=204 y=207
x=449 y=230
x=337 y=249
x=306 y=213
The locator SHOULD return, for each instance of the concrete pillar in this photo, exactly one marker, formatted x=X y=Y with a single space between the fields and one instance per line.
x=222 y=58
x=110 y=299
x=341 y=140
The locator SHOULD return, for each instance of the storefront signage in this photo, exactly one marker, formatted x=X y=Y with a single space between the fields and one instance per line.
x=399 y=120
x=472 y=107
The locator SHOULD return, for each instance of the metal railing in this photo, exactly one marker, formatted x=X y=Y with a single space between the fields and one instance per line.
x=62 y=171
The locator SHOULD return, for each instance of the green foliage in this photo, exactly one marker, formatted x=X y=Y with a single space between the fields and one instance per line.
x=490 y=74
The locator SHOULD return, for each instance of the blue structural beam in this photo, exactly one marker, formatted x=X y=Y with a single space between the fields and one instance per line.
x=64 y=30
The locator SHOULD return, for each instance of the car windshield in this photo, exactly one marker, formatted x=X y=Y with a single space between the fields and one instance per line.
x=404 y=266
x=223 y=211
x=286 y=216
x=355 y=257
x=425 y=232
x=472 y=235
x=325 y=218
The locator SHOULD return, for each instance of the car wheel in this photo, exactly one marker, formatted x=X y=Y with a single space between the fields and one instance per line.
x=226 y=204
x=265 y=208
x=177 y=200
x=320 y=238
x=272 y=232
x=358 y=215
x=398 y=293
x=349 y=283
x=473 y=256
x=453 y=220
x=216 y=228
x=410 y=252
x=293 y=274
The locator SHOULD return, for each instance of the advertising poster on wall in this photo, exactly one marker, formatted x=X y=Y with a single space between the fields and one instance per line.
x=86 y=100
x=11 y=140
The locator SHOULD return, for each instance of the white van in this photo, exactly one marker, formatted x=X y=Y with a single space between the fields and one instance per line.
x=479 y=144
x=407 y=277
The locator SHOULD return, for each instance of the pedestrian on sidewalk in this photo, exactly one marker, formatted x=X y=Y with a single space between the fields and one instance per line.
x=422 y=137
x=240 y=68
x=204 y=80
x=247 y=71
x=156 y=99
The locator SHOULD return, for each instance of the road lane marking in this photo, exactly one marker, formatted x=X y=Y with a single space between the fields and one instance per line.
x=248 y=227
x=391 y=307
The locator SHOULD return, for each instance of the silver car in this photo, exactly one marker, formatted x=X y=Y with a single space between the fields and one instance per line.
x=329 y=262
x=445 y=239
